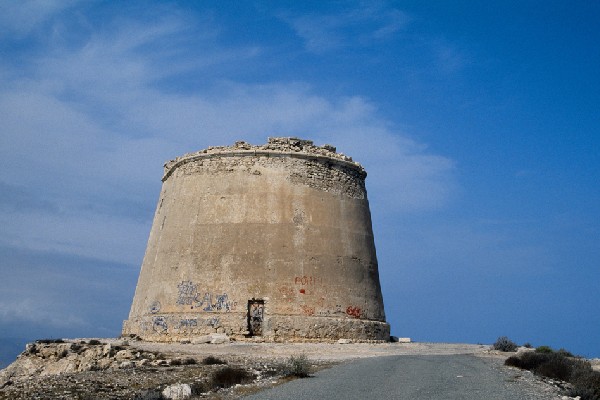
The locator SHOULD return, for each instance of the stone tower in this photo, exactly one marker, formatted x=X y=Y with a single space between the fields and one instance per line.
x=272 y=240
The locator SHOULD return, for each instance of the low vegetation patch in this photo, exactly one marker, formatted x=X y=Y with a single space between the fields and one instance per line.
x=229 y=376
x=210 y=360
x=297 y=366
x=561 y=365
x=505 y=344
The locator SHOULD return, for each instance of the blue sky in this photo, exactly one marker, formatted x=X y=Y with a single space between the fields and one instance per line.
x=478 y=124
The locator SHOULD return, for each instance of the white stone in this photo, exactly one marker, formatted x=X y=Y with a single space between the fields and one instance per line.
x=219 y=338
x=344 y=341
x=178 y=391
x=124 y=355
x=404 y=340
x=522 y=350
x=201 y=339
x=126 y=365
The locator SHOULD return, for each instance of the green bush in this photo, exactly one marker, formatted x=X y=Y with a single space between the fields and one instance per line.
x=544 y=349
x=505 y=344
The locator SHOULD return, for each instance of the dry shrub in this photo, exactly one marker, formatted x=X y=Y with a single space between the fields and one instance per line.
x=210 y=360
x=505 y=344
x=529 y=361
x=297 y=366
x=229 y=376
x=557 y=365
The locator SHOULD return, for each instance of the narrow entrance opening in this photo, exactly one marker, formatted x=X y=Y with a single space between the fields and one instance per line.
x=256 y=310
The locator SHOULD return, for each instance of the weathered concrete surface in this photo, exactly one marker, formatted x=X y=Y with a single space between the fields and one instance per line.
x=464 y=377
x=272 y=241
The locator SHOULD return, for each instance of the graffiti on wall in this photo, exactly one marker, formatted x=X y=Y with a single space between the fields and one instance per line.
x=159 y=324
x=307 y=310
x=189 y=295
x=188 y=323
x=221 y=303
x=287 y=292
x=354 y=312
x=155 y=307
x=188 y=292
x=308 y=284
x=308 y=280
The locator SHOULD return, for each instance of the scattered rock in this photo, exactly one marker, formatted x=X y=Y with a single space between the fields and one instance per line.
x=201 y=339
x=522 y=350
x=344 y=341
x=219 y=338
x=179 y=391
x=126 y=364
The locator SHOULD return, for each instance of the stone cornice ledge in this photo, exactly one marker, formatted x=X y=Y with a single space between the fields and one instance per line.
x=277 y=147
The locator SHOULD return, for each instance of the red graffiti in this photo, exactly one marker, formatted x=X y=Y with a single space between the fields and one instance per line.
x=302 y=291
x=307 y=280
x=353 y=311
x=308 y=310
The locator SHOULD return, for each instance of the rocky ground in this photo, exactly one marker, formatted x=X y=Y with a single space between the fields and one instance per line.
x=129 y=369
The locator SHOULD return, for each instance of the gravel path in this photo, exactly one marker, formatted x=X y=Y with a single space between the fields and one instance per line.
x=315 y=351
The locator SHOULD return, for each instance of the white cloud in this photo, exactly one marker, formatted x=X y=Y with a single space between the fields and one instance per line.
x=38 y=311
x=323 y=33
x=90 y=126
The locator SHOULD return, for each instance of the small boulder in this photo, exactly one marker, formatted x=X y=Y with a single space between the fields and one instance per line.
x=178 y=391
x=344 y=341
x=126 y=365
x=201 y=339
x=219 y=338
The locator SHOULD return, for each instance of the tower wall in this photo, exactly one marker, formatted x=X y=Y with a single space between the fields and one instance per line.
x=272 y=241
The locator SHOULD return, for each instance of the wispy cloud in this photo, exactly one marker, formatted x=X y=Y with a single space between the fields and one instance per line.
x=90 y=125
x=36 y=311
x=448 y=58
x=25 y=16
x=360 y=25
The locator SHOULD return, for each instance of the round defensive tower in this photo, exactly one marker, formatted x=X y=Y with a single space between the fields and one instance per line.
x=272 y=240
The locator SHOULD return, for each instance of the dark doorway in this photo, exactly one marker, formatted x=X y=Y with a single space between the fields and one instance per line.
x=256 y=310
